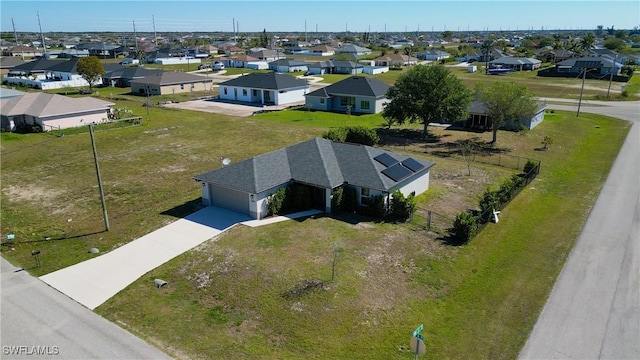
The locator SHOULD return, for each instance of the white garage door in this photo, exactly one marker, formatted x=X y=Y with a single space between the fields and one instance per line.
x=230 y=199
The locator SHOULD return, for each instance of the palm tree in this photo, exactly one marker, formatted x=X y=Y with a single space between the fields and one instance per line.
x=486 y=48
x=587 y=43
x=557 y=45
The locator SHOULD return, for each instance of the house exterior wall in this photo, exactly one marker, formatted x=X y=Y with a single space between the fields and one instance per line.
x=139 y=88
x=375 y=105
x=375 y=70
x=70 y=121
x=289 y=96
x=258 y=206
x=419 y=185
x=317 y=71
x=536 y=119
x=317 y=103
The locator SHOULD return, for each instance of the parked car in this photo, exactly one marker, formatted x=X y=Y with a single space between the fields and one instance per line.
x=204 y=66
x=127 y=61
x=218 y=66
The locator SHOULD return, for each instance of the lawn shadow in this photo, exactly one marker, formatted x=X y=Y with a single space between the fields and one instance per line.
x=51 y=238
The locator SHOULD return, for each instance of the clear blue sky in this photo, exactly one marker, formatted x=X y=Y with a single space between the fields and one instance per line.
x=336 y=16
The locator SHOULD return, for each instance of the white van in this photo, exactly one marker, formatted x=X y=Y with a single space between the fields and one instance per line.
x=218 y=66
x=128 y=61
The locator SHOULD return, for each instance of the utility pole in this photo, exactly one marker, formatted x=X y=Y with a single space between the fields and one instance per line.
x=584 y=75
x=44 y=46
x=155 y=35
x=135 y=35
x=15 y=34
x=611 y=75
x=95 y=159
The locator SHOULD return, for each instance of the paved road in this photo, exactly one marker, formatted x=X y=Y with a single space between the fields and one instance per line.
x=593 y=311
x=37 y=319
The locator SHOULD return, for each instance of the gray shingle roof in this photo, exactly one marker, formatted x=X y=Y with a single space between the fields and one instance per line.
x=171 y=78
x=269 y=80
x=356 y=86
x=515 y=60
x=317 y=162
x=45 y=104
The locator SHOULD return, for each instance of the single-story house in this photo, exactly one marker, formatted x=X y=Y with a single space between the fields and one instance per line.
x=353 y=49
x=52 y=111
x=170 y=82
x=322 y=50
x=336 y=67
x=9 y=62
x=121 y=76
x=357 y=94
x=264 y=88
x=433 y=55
x=319 y=164
x=395 y=60
x=597 y=66
x=288 y=65
x=479 y=119
x=23 y=51
x=245 y=61
x=515 y=63
x=48 y=74
x=267 y=55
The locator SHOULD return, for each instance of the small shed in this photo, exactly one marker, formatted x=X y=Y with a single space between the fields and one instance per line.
x=472 y=68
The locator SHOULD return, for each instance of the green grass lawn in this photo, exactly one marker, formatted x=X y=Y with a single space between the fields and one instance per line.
x=225 y=299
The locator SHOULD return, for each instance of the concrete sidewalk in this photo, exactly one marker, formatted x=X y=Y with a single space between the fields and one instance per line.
x=94 y=281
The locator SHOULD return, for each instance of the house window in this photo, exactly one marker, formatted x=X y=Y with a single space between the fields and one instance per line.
x=346 y=101
x=244 y=92
x=322 y=101
x=364 y=105
x=255 y=92
x=225 y=91
x=181 y=86
x=365 y=196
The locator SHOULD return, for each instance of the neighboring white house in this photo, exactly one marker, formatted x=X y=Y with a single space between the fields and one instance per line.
x=353 y=49
x=322 y=166
x=48 y=74
x=264 y=88
x=433 y=55
x=52 y=111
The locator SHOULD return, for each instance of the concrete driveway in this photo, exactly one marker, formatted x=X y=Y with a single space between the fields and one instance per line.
x=227 y=107
x=94 y=281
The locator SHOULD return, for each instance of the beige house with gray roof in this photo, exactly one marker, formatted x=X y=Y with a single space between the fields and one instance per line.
x=52 y=111
x=170 y=83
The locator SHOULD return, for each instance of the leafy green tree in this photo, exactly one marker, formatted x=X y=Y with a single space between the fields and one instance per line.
x=427 y=94
x=91 y=69
x=506 y=101
x=614 y=43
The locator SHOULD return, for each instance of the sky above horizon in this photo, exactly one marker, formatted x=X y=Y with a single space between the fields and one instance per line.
x=325 y=16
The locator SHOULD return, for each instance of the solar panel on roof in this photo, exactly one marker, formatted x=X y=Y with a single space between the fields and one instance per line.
x=412 y=164
x=397 y=172
x=385 y=159
x=588 y=64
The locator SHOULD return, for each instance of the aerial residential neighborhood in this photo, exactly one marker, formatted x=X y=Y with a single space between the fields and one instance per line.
x=256 y=181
